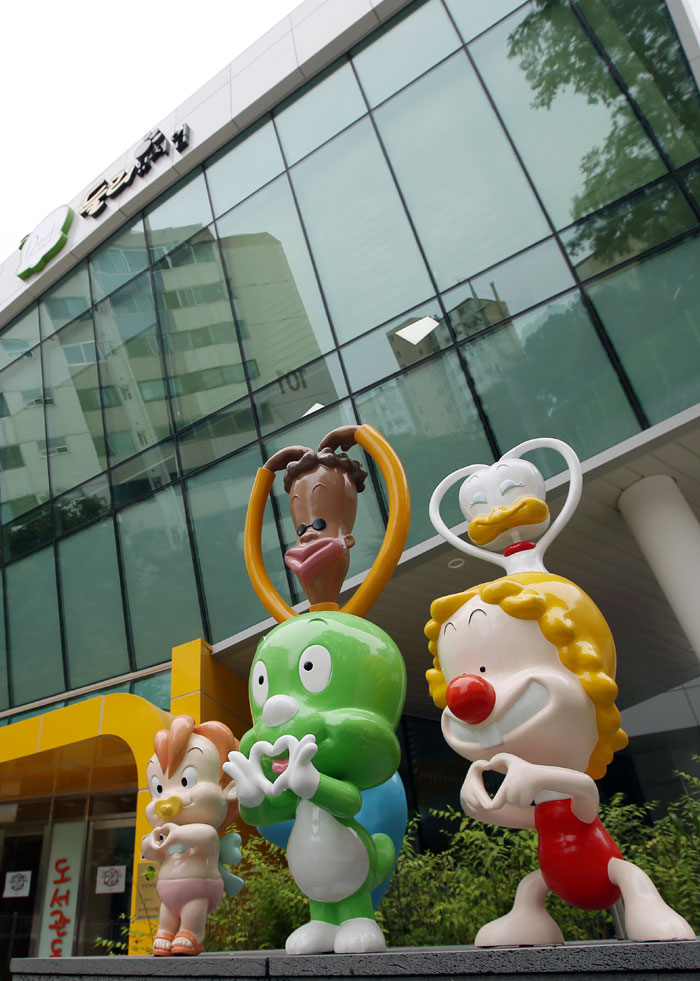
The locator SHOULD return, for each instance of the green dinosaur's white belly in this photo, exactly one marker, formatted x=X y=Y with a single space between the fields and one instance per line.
x=327 y=859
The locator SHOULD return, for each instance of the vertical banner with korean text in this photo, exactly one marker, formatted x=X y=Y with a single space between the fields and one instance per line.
x=62 y=884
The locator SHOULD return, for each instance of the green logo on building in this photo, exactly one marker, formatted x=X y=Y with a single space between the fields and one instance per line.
x=46 y=241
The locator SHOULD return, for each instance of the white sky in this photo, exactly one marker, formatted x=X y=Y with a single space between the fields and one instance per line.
x=84 y=80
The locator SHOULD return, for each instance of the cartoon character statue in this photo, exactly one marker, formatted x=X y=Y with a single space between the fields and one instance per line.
x=327 y=689
x=523 y=669
x=190 y=799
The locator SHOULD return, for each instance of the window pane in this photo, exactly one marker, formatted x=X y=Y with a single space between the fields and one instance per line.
x=246 y=166
x=204 y=357
x=118 y=260
x=4 y=696
x=73 y=411
x=144 y=474
x=409 y=47
x=136 y=410
x=429 y=417
x=369 y=527
x=331 y=105
x=627 y=229
x=577 y=398
x=155 y=688
x=92 y=605
x=218 y=503
x=181 y=213
x=24 y=480
x=82 y=505
x=508 y=288
x=35 y=638
x=692 y=179
x=224 y=432
x=65 y=301
x=398 y=344
x=643 y=46
x=299 y=393
x=575 y=130
x=161 y=593
x=27 y=533
x=278 y=303
x=652 y=312
x=474 y=16
x=471 y=202
x=363 y=246
x=20 y=337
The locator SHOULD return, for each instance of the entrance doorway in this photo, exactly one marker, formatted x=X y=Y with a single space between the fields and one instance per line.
x=19 y=881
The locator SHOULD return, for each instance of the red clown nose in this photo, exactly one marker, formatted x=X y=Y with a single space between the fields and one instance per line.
x=471 y=698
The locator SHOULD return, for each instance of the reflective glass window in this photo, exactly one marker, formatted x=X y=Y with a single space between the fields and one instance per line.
x=624 y=230
x=4 y=696
x=64 y=302
x=245 y=166
x=27 y=533
x=573 y=127
x=368 y=530
x=321 y=112
x=429 y=417
x=408 y=48
x=178 y=215
x=131 y=368
x=93 y=616
x=224 y=432
x=508 y=288
x=300 y=392
x=155 y=688
x=576 y=397
x=36 y=664
x=474 y=16
x=641 y=42
x=204 y=358
x=73 y=411
x=82 y=505
x=652 y=312
x=276 y=295
x=20 y=337
x=471 y=202
x=218 y=504
x=24 y=479
x=363 y=246
x=144 y=474
x=160 y=585
x=118 y=260
x=402 y=342
x=692 y=179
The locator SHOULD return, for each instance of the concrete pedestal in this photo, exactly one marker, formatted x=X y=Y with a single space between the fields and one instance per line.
x=594 y=961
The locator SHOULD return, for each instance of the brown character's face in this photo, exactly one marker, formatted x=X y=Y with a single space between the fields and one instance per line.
x=323 y=502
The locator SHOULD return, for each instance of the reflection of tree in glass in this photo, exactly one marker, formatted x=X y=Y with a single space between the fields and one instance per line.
x=555 y=53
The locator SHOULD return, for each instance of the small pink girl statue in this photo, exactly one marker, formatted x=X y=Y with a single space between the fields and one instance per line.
x=191 y=798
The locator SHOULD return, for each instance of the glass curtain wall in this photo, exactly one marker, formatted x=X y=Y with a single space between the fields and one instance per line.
x=479 y=226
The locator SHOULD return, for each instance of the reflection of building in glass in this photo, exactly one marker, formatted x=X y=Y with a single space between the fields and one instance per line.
x=332 y=266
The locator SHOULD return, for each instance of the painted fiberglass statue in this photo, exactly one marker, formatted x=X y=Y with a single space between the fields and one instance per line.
x=524 y=671
x=326 y=689
x=190 y=799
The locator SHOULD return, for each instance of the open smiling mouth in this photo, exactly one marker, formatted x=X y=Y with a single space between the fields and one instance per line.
x=524 y=708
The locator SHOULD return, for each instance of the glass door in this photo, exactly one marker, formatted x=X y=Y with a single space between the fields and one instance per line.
x=19 y=882
x=107 y=887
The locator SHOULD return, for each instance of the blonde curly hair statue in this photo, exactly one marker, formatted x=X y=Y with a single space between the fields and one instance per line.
x=569 y=619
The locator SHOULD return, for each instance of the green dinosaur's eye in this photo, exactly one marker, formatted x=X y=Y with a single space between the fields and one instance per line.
x=259 y=684
x=315 y=668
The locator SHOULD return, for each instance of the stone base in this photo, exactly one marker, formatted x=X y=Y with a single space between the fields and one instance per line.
x=593 y=961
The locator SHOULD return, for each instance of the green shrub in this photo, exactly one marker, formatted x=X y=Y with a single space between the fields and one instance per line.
x=445 y=897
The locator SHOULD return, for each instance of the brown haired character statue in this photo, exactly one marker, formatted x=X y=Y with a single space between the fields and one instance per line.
x=323 y=488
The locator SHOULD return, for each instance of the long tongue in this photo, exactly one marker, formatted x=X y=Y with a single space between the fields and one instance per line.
x=279 y=766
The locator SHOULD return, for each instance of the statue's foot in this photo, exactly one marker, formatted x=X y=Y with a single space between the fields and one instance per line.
x=360 y=935
x=314 y=937
x=647 y=916
x=520 y=928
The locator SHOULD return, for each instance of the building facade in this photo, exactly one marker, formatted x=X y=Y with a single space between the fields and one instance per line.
x=465 y=223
